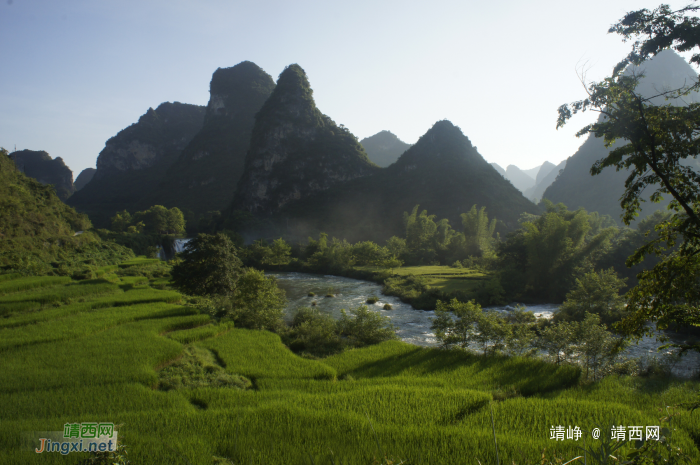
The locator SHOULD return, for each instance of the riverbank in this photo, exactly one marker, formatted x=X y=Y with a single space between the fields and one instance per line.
x=414 y=325
x=419 y=286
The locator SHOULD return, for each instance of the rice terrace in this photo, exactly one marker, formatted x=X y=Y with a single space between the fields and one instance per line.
x=100 y=350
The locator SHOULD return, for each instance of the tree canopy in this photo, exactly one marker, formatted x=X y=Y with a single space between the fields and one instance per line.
x=209 y=265
x=659 y=138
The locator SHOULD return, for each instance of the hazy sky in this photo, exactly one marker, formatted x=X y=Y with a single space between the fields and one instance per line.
x=76 y=72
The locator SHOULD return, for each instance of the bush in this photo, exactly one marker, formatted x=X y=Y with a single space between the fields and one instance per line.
x=313 y=332
x=597 y=293
x=209 y=266
x=257 y=302
x=373 y=300
x=365 y=327
x=388 y=307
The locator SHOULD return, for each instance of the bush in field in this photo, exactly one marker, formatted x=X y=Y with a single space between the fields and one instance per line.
x=586 y=342
x=458 y=332
x=314 y=333
x=365 y=327
x=460 y=324
x=257 y=302
x=597 y=293
x=209 y=266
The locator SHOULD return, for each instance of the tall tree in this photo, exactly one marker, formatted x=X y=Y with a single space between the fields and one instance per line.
x=478 y=231
x=660 y=138
x=209 y=266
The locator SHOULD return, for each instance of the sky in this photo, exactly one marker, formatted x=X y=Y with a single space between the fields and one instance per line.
x=76 y=72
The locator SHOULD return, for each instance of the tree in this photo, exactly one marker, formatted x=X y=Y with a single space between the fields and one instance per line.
x=257 y=301
x=209 y=265
x=458 y=332
x=595 y=293
x=543 y=258
x=478 y=231
x=595 y=345
x=121 y=221
x=279 y=254
x=658 y=141
x=365 y=327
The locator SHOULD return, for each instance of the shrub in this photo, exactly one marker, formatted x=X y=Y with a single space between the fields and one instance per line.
x=388 y=307
x=257 y=302
x=373 y=300
x=209 y=266
x=314 y=333
x=365 y=327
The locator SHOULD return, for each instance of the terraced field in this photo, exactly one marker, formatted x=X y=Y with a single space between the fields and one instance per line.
x=96 y=351
x=445 y=278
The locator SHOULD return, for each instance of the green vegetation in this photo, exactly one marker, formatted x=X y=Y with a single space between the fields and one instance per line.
x=38 y=231
x=660 y=146
x=209 y=265
x=420 y=402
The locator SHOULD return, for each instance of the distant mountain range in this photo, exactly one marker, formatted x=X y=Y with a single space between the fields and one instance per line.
x=84 y=177
x=442 y=173
x=384 y=148
x=532 y=182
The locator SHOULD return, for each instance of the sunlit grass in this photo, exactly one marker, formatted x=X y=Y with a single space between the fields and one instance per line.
x=99 y=359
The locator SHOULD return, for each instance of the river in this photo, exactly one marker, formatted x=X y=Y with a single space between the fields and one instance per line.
x=413 y=326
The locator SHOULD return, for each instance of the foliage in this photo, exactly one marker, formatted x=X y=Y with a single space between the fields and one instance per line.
x=155 y=220
x=257 y=302
x=478 y=231
x=458 y=332
x=198 y=368
x=596 y=293
x=209 y=265
x=586 y=342
x=542 y=259
x=333 y=257
x=365 y=327
x=314 y=333
x=38 y=231
x=659 y=140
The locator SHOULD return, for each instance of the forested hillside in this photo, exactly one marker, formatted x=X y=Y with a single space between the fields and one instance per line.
x=37 y=230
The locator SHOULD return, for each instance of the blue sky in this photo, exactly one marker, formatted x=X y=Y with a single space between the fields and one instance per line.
x=76 y=72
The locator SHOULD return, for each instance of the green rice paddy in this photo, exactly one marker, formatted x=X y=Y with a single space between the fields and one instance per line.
x=73 y=352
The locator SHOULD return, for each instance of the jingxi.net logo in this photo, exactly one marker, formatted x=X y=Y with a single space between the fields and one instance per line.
x=77 y=437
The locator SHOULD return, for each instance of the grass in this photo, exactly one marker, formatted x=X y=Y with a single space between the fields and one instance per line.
x=445 y=278
x=176 y=381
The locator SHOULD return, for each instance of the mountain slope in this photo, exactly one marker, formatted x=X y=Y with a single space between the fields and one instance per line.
x=520 y=180
x=499 y=168
x=84 y=177
x=37 y=230
x=295 y=150
x=442 y=172
x=205 y=176
x=135 y=160
x=40 y=166
x=384 y=148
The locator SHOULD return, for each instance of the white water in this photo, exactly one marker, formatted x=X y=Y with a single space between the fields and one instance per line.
x=178 y=246
x=413 y=326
